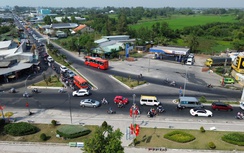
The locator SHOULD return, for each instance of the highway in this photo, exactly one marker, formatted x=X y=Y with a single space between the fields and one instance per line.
x=154 y=74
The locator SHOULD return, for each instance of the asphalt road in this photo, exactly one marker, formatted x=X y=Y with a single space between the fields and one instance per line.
x=154 y=73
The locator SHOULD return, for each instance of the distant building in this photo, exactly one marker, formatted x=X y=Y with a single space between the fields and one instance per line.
x=63 y=25
x=82 y=28
x=59 y=19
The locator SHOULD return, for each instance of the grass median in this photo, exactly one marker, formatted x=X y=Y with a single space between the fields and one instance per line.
x=129 y=81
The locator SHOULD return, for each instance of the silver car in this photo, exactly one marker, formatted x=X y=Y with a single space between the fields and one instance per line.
x=89 y=103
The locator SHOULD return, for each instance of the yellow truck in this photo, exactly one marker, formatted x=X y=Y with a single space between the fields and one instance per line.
x=218 y=61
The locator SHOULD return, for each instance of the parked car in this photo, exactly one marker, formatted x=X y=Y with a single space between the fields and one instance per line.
x=89 y=103
x=221 y=106
x=120 y=99
x=50 y=59
x=81 y=92
x=228 y=80
x=63 y=68
x=201 y=112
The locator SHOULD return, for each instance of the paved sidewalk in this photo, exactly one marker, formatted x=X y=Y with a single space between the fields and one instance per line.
x=117 y=121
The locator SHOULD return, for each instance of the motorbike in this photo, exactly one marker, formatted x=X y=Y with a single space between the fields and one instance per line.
x=121 y=105
x=35 y=90
x=104 y=101
x=151 y=114
x=160 y=109
x=61 y=90
x=25 y=94
x=111 y=111
x=210 y=86
x=168 y=82
x=239 y=117
x=12 y=90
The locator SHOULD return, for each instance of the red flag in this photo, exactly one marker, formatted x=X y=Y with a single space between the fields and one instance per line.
x=131 y=111
x=137 y=130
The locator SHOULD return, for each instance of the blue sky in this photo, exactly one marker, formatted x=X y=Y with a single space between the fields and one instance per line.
x=126 y=3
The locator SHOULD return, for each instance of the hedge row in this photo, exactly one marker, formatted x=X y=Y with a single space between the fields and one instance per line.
x=234 y=138
x=20 y=129
x=72 y=131
x=179 y=136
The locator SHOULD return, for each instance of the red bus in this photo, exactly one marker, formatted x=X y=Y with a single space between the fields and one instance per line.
x=80 y=82
x=96 y=62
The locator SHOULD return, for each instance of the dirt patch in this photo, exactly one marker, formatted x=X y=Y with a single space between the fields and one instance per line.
x=201 y=58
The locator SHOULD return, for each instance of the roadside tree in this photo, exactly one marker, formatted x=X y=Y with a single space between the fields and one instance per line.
x=104 y=140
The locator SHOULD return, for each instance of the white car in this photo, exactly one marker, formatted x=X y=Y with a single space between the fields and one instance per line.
x=81 y=92
x=50 y=59
x=242 y=105
x=63 y=68
x=201 y=112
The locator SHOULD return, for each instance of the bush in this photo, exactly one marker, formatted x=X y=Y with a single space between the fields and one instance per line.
x=202 y=129
x=234 y=138
x=20 y=129
x=179 y=136
x=202 y=99
x=211 y=145
x=54 y=122
x=72 y=131
x=43 y=137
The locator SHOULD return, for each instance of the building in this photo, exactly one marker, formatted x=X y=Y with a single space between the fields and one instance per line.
x=108 y=43
x=175 y=52
x=82 y=28
x=15 y=61
x=59 y=19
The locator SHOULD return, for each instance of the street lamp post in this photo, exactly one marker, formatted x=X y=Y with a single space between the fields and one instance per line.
x=185 y=82
x=70 y=108
x=25 y=83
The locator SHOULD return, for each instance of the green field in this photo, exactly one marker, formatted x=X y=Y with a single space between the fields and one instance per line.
x=181 y=21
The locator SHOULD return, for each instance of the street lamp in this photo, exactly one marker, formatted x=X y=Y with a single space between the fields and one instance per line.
x=134 y=96
x=185 y=82
x=25 y=83
x=70 y=108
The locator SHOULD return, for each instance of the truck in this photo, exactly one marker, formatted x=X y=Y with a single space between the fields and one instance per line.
x=218 y=61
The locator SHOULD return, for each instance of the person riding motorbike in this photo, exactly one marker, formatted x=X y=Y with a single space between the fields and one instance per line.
x=104 y=101
x=110 y=111
x=120 y=105
x=12 y=90
x=35 y=90
x=160 y=109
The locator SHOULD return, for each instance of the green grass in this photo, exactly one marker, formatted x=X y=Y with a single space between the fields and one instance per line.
x=152 y=137
x=54 y=83
x=130 y=82
x=181 y=21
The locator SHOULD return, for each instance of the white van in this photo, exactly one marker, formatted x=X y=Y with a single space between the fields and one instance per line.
x=149 y=100
x=188 y=102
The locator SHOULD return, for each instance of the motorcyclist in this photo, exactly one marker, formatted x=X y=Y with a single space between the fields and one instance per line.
x=61 y=90
x=110 y=110
x=35 y=90
x=104 y=101
x=12 y=90
x=160 y=108
x=120 y=105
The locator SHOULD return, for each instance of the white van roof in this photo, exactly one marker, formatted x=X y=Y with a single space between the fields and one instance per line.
x=188 y=99
x=148 y=97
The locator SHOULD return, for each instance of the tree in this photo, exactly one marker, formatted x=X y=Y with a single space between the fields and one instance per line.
x=104 y=140
x=47 y=20
x=193 y=42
